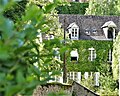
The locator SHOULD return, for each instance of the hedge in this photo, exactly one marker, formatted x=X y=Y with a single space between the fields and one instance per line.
x=75 y=8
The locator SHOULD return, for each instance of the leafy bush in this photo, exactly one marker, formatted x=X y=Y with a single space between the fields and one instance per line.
x=19 y=49
x=73 y=8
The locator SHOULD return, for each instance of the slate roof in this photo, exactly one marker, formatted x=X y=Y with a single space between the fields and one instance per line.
x=90 y=23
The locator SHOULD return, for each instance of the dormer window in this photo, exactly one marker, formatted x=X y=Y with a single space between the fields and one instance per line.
x=74 y=55
x=73 y=31
x=109 y=29
x=92 y=54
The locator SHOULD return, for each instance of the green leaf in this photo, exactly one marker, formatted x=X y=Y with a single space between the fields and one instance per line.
x=12 y=90
x=49 y=7
x=20 y=77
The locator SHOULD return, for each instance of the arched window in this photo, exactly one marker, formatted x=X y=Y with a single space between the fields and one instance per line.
x=92 y=54
x=109 y=29
x=110 y=33
x=74 y=55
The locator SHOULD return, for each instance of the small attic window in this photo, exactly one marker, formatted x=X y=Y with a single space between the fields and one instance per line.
x=94 y=31
x=74 y=55
x=51 y=36
x=87 y=31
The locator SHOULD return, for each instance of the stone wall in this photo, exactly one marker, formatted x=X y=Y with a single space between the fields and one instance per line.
x=79 y=90
x=44 y=90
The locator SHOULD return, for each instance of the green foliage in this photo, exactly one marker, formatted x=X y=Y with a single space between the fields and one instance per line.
x=89 y=83
x=104 y=7
x=73 y=8
x=101 y=48
x=60 y=93
x=20 y=51
x=108 y=86
x=116 y=56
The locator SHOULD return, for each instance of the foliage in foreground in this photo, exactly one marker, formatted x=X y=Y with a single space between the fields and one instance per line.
x=19 y=49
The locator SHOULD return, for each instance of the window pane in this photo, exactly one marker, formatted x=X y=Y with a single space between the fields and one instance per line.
x=75 y=34
x=72 y=34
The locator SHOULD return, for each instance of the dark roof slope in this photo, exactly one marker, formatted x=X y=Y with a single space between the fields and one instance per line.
x=90 y=23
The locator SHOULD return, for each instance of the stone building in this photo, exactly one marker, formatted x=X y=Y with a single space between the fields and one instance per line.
x=90 y=27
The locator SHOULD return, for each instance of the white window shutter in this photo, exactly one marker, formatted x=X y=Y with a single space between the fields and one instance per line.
x=78 y=77
x=96 y=78
x=86 y=75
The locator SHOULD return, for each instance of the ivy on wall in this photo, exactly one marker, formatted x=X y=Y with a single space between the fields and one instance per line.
x=74 y=8
x=83 y=64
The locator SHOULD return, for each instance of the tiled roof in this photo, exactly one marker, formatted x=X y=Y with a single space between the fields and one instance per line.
x=90 y=23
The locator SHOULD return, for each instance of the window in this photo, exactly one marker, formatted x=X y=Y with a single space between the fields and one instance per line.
x=96 y=78
x=74 y=55
x=73 y=30
x=110 y=33
x=86 y=75
x=73 y=76
x=92 y=54
x=94 y=30
x=74 y=33
x=87 y=31
x=110 y=55
x=51 y=36
x=56 y=53
x=75 y=0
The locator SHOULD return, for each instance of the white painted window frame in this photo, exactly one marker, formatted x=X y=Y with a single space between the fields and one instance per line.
x=92 y=54
x=110 y=55
x=74 y=36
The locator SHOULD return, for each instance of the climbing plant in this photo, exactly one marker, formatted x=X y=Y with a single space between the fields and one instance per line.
x=101 y=47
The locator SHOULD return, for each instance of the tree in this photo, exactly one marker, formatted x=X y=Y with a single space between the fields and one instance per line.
x=103 y=7
x=19 y=50
x=116 y=57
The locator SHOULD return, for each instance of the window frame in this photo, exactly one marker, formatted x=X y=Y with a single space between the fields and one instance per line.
x=92 y=54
